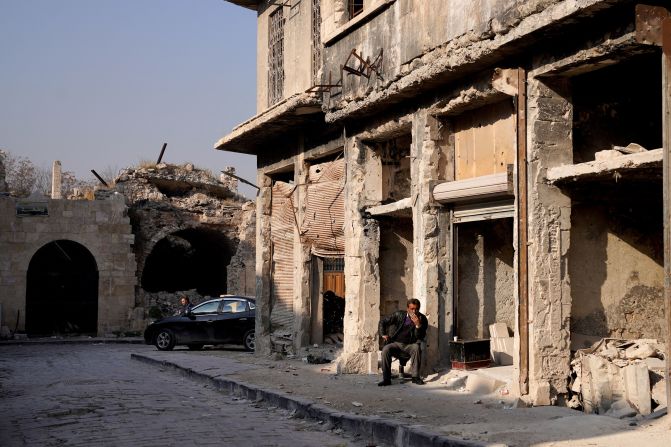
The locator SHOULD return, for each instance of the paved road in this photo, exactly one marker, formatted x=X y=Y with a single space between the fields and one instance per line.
x=94 y=395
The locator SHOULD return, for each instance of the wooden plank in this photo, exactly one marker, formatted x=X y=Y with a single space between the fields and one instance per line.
x=666 y=125
x=522 y=235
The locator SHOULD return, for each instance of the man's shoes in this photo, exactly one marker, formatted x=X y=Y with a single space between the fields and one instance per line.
x=384 y=383
x=418 y=381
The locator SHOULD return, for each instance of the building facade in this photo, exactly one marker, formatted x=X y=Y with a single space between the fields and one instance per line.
x=501 y=161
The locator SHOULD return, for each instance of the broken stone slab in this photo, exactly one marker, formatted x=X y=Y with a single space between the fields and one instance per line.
x=455 y=383
x=607 y=154
x=637 y=387
x=621 y=409
x=631 y=148
x=641 y=350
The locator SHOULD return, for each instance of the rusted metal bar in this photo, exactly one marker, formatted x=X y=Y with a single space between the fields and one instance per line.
x=522 y=231
x=666 y=138
x=100 y=178
x=160 y=157
x=240 y=179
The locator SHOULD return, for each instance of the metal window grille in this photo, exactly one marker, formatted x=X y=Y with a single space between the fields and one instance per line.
x=334 y=264
x=316 y=40
x=354 y=7
x=276 y=56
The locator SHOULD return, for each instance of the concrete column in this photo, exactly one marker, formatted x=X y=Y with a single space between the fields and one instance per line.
x=362 y=276
x=302 y=266
x=430 y=234
x=263 y=265
x=549 y=143
x=56 y=180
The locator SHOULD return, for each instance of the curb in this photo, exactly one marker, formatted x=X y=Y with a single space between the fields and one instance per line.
x=374 y=428
x=64 y=341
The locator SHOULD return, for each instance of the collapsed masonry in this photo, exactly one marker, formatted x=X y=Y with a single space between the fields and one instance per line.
x=194 y=236
x=474 y=177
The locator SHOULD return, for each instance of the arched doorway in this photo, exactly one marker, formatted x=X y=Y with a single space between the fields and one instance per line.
x=62 y=290
x=195 y=258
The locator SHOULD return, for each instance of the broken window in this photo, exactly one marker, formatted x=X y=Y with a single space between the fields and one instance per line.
x=394 y=157
x=354 y=8
x=275 y=56
x=616 y=106
x=316 y=40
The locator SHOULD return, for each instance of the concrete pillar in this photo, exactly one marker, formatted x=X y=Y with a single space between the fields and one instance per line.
x=263 y=265
x=302 y=265
x=362 y=275
x=549 y=143
x=56 y=180
x=430 y=234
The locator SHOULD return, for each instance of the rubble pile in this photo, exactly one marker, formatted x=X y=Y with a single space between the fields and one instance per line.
x=619 y=378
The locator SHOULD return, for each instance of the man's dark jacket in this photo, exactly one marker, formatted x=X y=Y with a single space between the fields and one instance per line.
x=392 y=325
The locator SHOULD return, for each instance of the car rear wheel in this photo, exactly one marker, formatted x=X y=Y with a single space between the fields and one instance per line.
x=249 y=340
x=165 y=340
x=195 y=347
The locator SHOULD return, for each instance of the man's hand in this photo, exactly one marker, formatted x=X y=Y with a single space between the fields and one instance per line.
x=385 y=338
x=415 y=319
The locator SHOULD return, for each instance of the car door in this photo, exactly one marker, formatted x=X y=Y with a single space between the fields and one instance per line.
x=232 y=320
x=203 y=318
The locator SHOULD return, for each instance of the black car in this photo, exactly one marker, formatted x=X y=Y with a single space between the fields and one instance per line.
x=229 y=319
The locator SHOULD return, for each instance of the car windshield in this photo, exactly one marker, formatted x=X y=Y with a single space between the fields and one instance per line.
x=207 y=308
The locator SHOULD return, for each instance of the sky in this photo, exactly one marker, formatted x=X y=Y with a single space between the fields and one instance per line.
x=101 y=84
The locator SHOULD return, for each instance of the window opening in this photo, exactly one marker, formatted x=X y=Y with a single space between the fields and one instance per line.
x=276 y=56
x=316 y=39
x=354 y=7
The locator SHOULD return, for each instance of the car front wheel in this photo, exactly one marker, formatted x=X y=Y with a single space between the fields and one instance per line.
x=248 y=340
x=165 y=340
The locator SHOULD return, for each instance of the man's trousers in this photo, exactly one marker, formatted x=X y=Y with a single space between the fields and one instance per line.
x=396 y=349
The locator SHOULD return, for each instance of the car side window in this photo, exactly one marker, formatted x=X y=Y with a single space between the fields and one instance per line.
x=234 y=307
x=206 y=308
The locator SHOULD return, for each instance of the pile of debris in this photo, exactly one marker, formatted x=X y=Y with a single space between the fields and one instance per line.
x=619 y=378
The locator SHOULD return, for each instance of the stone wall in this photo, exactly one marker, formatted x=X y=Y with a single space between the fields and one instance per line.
x=192 y=230
x=101 y=226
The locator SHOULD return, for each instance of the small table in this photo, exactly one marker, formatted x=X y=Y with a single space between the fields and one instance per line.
x=470 y=354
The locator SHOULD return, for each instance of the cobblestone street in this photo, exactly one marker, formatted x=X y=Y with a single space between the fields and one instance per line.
x=94 y=395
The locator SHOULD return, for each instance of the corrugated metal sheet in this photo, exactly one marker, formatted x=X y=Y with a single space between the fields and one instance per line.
x=323 y=224
x=282 y=224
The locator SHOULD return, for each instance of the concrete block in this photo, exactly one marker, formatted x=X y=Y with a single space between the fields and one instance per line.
x=607 y=155
x=637 y=387
x=502 y=349
x=540 y=393
x=497 y=330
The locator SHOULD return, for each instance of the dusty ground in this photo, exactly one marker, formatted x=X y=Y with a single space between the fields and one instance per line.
x=484 y=417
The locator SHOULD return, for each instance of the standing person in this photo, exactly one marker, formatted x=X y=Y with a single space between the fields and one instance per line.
x=186 y=305
x=402 y=332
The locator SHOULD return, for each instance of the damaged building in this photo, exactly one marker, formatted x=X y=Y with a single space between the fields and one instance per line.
x=194 y=236
x=73 y=266
x=501 y=161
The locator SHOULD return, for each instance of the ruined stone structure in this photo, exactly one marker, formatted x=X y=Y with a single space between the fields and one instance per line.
x=104 y=266
x=66 y=266
x=488 y=170
x=194 y=236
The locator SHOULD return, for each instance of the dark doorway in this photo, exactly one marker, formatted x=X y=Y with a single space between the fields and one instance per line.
x=189 y=259
x=62 y=290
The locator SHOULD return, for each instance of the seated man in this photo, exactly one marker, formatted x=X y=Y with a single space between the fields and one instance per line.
x=402 y=332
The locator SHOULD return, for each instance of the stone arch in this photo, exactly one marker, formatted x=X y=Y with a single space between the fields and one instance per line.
x=62 y=290
x=190 y=258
